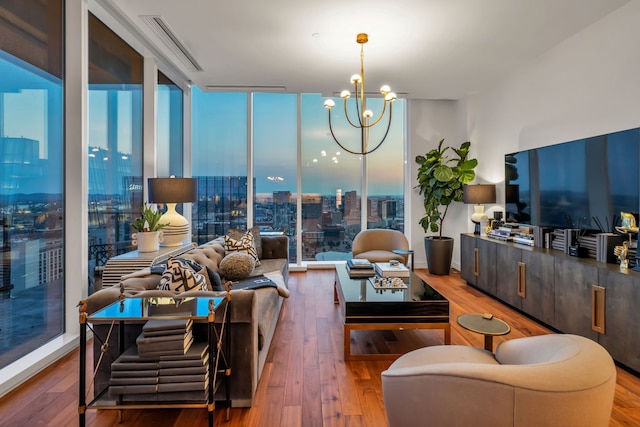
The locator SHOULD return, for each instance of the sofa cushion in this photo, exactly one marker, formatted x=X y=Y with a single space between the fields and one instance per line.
x=179 y=276
x=236 y=266
x=257 y=240
x=244 y=245
x=266 y=310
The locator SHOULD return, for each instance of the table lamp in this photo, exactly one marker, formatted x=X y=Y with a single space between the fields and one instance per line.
x=173 y=191
x=479 y=194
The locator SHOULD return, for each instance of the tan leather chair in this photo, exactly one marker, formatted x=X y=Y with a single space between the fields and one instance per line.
x=377 y=245
x=548 y=380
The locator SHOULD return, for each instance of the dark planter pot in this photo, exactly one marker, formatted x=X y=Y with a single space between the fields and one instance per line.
x=439 y=251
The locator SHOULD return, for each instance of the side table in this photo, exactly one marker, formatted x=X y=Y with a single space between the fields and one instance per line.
x=484 y=324
x=137 y=310
x=408 y=252
x=120 y=265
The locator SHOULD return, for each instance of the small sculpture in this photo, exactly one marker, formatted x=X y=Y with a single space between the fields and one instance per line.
x=622 y=252
x=628 y=223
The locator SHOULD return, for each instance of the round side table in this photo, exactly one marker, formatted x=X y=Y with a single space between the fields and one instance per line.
x=405 y=252
x=484 y=324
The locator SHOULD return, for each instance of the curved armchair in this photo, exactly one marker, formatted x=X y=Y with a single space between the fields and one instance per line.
x=377 y=245
x=547 y=380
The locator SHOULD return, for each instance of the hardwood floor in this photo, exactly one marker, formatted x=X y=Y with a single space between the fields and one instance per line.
x=305 y=380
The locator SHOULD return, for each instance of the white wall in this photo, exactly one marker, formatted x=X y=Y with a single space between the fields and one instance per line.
x=586 y=86
x=428 y=123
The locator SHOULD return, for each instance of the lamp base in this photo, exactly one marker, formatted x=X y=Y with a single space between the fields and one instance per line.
x=176 y=233
x=478 y=218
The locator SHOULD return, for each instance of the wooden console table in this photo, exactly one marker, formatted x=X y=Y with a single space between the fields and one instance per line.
x=132 y=261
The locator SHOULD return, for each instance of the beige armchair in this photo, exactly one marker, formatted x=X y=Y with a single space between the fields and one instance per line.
x=547 y=380
x=377 y=245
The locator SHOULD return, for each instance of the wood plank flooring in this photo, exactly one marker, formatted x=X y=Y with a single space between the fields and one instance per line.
x=305 y=381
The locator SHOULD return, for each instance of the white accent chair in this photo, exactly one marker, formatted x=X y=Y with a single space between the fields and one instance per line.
x=548 y=380
x=377 y=245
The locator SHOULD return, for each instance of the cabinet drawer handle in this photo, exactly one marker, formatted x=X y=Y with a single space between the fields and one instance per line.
x=476 y=264
x=522 y=279
x=597 y=308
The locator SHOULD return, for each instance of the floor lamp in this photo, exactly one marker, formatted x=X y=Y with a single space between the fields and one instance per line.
x=479 y=194
x=173 y=191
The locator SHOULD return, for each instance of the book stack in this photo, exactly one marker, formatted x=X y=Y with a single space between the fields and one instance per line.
x=165 y=338
x=360 y=268
x=171 y=367
x=505 y=232
x=524 y=239
x=386 y=269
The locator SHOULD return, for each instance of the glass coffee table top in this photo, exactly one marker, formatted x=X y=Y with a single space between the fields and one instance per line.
x=361 y=289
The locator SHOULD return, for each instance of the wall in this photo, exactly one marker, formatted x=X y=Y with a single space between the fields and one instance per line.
x=586 y=86
x=428 y=123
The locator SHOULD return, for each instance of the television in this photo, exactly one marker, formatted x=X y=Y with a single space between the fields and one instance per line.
x=581 y=184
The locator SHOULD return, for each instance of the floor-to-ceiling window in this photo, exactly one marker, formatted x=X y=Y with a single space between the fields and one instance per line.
x=169 y=128
x=275 y=129
x=31 y=176
x=115 y=143
x=219 y=162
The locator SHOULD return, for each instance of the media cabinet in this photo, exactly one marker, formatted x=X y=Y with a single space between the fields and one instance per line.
x=569 y=294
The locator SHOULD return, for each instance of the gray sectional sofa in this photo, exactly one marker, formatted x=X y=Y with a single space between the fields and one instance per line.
x=254 y=315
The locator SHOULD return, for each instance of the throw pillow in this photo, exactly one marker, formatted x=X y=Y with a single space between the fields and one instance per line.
x=257 y=241
x=178 y=276
x=243 y=245
x=216 y=281
x=236 y=266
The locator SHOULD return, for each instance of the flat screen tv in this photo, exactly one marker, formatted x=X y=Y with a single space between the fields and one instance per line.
x=578 y=184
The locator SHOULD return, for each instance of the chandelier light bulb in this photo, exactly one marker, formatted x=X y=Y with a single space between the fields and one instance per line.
x=329 y=104
x=385 y=89
x=345 y=94
x=367 y=114
x=391 y=96
x=355 y=79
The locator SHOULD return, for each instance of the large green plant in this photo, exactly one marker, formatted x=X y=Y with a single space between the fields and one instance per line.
x=440 y=181
x=149 y=220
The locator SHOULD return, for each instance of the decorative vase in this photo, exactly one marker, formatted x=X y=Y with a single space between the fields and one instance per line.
x=148 y=241
x=439 y=251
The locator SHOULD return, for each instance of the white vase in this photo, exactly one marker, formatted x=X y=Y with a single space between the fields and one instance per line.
x=147 y=242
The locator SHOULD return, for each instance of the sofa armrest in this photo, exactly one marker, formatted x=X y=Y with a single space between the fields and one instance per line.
x=274 y=247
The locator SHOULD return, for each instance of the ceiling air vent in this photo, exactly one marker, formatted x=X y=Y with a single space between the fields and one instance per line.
x=164 y=31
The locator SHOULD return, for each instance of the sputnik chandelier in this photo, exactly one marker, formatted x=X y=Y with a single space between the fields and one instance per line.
x=365 y=121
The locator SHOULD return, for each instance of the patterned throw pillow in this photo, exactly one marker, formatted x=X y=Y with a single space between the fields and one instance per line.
x=179 y=276
x=243 y=245
x=257 y=240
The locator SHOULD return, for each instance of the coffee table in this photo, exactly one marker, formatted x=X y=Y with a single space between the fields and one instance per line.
x=363 y=307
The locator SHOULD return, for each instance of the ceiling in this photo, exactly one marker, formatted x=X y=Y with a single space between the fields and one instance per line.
x=423 y=49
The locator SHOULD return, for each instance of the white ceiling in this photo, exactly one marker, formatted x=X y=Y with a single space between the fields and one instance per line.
x=426 y=49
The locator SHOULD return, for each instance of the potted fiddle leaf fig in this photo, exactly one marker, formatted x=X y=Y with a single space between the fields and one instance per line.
x=441 y=175
x=147 y=225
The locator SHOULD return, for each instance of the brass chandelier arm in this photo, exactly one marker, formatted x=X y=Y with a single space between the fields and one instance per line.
x=384 y=108
x=364 y=138
x=338 y=142
x=346 y=114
